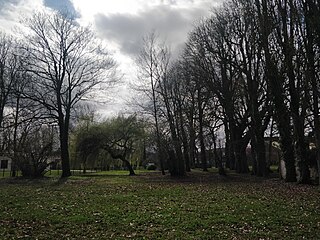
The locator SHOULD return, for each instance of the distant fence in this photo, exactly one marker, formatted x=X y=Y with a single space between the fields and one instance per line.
x=5 y=173
x=8 y=173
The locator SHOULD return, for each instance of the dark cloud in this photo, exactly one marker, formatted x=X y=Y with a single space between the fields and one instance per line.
x=64 y=6
x=127 y=30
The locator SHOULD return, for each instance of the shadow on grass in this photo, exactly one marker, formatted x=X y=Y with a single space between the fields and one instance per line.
x=112 y=173
x=196 y=176
x=99 y=176
x=200 y=177
x=25 y=180
x=61 y=181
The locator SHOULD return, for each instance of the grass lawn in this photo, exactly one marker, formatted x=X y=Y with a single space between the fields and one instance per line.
x=150 y=206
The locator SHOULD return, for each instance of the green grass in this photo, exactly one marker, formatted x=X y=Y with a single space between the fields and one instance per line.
x=111 y=205
x=6 y=173
x=57 y=173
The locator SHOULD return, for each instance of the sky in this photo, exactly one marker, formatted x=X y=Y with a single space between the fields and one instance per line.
x=122 y=25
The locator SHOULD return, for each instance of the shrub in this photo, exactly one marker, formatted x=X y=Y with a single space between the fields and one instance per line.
x=151 y=167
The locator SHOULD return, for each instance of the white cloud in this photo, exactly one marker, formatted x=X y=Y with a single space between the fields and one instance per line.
x=14 y=11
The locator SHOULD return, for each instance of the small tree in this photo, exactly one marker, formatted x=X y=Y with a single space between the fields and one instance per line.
x=152 y=63
x=120 y=137
x=34 y=149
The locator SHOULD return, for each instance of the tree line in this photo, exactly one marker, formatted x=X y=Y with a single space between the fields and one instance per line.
x=248 y=71
x=251 y=64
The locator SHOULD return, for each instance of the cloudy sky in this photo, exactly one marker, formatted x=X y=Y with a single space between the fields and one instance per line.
x=121 y=23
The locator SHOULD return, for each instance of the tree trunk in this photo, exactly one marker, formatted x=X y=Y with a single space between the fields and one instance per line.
x=228 y=148
x=202 y=150
x=155 y=112
x=275 y=82
x=84 y=165
x=295 y=102
x=192 y=147
x=239 y=145
x=129 y=167
x=262 y=169
x=254 y=156
x=64 y=148
x=160 y=150
x=217 y=159
x=179 y=165
x=270 y=144
x=312 y=30
x=257 y=132
x=184 y=141
x=241 y=157
x=186 y=156
x=122 y=157
x=15 y=133
x=201 y=135
x=65 y=163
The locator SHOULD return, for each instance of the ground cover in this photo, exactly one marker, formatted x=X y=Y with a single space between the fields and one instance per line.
x=150 y=206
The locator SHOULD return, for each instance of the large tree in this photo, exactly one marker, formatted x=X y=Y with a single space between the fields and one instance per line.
x=66 y=63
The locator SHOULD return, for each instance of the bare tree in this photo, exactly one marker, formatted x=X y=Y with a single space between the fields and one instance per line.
x=9 y=67
x=250 y=64
x=66 y=63
x=170 y=90
x=34 y=147
x=214 y=57
x=152 y=62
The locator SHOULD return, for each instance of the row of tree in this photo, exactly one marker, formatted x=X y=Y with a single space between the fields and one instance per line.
x=45 y=71
x=251 y=63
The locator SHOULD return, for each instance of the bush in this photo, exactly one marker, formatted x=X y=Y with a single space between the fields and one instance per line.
x=151 y=167
x=33 y=171
x=34 y=151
